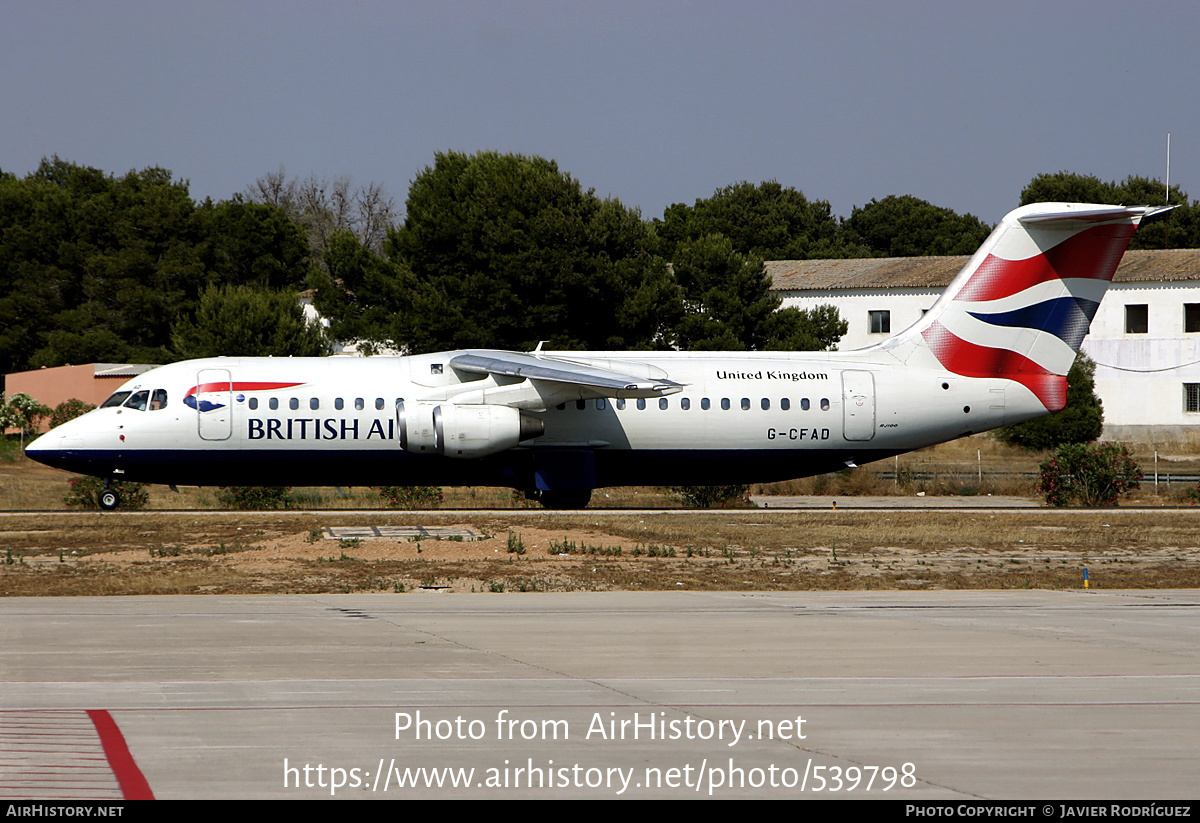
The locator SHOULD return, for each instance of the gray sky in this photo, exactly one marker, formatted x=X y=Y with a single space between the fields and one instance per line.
x=959 y=103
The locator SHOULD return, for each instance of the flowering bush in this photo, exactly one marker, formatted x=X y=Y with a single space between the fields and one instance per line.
x=411 y=497
x=69 y=410
x=1093 y=474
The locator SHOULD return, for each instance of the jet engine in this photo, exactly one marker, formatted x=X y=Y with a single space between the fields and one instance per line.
x=427 y=427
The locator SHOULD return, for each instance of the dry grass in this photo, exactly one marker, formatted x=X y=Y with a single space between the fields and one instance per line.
x=183 y=552
x=729 y=550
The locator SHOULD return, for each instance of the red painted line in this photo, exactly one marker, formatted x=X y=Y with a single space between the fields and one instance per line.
x=130 y=778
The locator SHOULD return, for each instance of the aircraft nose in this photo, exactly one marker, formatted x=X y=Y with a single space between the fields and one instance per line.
x=45 y=446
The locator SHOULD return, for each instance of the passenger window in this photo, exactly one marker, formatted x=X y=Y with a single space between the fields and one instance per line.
x=293 y=403
x=824 y=404
x=685 y=403
x=273 y=403
x=662 y=402
x=724 y=404
x=581 y=404
x=379 y=404
x=158 y=400
x=600 y=404
x=359 y=405
x=745 y=404
x=641 y=403
x=339 y=404
x=138 y=401
x=561 y=406
x=314 y=403
x=785 y=404
x=116 y=400
x=704 y=404
x=253 y=403
x=765 y=403
x=804 y=404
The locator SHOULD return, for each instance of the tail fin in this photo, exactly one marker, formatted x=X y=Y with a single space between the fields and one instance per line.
x=1021 y=306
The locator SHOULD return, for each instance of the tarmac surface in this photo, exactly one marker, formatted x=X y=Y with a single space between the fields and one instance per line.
x=926 y=695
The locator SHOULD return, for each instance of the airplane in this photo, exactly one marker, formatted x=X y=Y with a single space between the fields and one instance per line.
x=993 y=350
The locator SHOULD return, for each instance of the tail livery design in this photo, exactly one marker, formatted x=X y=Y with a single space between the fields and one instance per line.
x=1022 y=305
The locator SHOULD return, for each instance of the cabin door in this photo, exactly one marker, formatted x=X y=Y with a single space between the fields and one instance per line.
x=858 y=405
x=214 y=404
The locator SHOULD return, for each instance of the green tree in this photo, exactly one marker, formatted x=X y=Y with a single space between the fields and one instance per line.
x=1080 y=421
x=767 y=220
x=910 y=227
x=360 y=292
x=502 y=250
x=250 y=244
x=243 y=322
x=728 y=305
x=98 y=268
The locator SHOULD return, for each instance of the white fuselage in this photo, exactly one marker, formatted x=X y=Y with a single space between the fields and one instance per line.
x=325 y=421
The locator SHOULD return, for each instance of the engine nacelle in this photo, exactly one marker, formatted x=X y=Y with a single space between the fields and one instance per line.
x=463 y=431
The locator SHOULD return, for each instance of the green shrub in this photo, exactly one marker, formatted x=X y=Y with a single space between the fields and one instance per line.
x=713 y=497
x=1091 y=474
x=256 y=497
x=84 y=493
x=411 y=497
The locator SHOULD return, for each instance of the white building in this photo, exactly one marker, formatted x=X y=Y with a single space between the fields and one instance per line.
x=1145 y=337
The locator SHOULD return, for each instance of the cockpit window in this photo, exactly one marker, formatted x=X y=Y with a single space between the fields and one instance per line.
x=158 y=400
x=116 y=400
x=138 y=401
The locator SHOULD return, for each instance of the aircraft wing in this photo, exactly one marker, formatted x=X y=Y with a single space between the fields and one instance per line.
x=534 y=367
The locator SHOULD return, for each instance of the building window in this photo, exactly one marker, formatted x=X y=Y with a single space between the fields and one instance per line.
x=879 y=322
x=1191 y=397
x=1191 y=317
x=1137 y=319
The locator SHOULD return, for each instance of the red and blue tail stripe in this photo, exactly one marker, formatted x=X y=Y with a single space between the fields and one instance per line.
x=1022 y=306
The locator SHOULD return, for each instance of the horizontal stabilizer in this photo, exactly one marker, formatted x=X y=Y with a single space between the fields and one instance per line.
x=1092 y=214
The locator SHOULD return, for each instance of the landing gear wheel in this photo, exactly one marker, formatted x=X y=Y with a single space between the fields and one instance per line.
x=565 y=498
x=109 y=499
